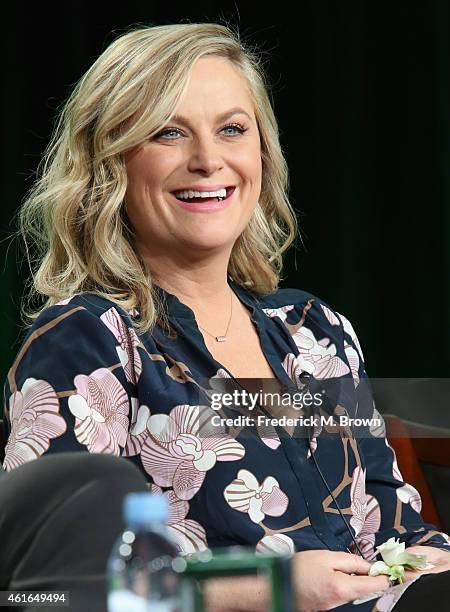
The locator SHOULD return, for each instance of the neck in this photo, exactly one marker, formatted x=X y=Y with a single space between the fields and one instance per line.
x=203 y=288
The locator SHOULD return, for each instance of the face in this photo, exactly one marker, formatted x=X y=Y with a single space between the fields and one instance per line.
x=213 y=143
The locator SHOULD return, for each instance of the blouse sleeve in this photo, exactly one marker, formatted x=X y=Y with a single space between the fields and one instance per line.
x=392 y=505
x=69 y=387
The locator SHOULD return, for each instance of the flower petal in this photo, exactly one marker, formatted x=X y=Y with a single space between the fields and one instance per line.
x=277 y=544
x=189 y=536
x=409 y=495
x=377 y=568
x=238 y=495
x=163 y=428
x=275 y=502
x=249 y=480
x=178 y=508
x=187 y=480
x=226 y=449
x=254 y=509
x=159 y=462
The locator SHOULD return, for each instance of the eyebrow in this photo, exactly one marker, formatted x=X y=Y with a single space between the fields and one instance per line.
x=221 y=117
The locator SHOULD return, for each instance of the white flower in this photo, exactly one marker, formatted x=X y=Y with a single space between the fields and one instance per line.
x=395 y=559
x=390 y=551
x=247 y=495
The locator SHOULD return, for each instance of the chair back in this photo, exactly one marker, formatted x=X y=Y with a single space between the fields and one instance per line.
x=2 y=441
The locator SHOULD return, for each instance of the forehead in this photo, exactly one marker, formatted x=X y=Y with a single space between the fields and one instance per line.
x=216 y=84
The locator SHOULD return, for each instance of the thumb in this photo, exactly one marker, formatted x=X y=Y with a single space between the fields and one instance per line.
x=350 y=563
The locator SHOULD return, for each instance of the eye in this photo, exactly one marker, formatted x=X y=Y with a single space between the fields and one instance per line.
x=235 y=126
x=232 y=126
x=167 y=131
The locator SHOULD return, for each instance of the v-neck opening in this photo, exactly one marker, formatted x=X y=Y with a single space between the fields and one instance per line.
x=258 y=319
x=183 y=314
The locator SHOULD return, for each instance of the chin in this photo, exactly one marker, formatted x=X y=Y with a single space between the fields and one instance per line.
x=210 y=241
x=208 y=246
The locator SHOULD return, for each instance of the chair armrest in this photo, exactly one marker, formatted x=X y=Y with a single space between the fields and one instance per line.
x=431 y=444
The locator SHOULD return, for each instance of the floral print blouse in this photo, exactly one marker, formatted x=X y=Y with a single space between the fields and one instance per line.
x=84 y=380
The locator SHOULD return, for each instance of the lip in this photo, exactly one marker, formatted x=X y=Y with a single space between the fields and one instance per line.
x=207 y=207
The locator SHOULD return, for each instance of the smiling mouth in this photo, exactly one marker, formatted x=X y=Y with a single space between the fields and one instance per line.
x=198 y=200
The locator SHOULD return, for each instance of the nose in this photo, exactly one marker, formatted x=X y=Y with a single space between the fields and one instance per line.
x=205 y=155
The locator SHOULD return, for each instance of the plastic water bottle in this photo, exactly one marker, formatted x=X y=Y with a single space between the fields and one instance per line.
x=140 y=570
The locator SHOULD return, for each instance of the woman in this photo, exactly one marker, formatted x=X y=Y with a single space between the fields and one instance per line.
x=161 y=217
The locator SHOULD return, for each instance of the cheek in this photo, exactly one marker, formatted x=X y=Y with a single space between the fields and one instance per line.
x=149 y=169
x=250 y=165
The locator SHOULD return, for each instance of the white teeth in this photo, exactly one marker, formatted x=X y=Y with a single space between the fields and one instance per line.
x=222 y=193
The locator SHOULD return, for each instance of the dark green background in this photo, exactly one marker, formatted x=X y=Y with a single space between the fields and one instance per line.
x=361 y=92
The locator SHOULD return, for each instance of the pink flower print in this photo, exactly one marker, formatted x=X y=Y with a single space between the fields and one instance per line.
x=101 y=408
x=277 y=544
x=353 y=360
x=351 y=332
x=128 y=343
x=318 y=357
x=329 y=314
x=267 y=433
x=377 y=430
x=221 y=373
x=281 y=312
x=366 y=537
x=35 y=420
x=187 y=534
x=316 y=433
x=139 y=430
x=354 y=356
x=247 y=495
x=409 y=495
x=183 y=446
x=292 y=367
x=395 y=469
x=358 y=499
x=216 y=386
x=66 y=301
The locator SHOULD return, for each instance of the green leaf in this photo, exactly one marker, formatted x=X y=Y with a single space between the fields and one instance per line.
x=397 y=572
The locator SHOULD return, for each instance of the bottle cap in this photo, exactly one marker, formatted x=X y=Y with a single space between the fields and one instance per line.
x=145 y=508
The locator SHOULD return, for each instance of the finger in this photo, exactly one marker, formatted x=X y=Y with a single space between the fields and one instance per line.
x=363 y=585
x=349 y=563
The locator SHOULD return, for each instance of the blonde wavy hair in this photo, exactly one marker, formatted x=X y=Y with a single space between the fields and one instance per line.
x=76 y=232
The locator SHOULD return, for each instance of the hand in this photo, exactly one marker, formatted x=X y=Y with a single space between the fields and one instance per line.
x=324 y=579
x=437 y=556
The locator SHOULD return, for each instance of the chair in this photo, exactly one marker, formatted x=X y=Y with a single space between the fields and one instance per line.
x=2 y=441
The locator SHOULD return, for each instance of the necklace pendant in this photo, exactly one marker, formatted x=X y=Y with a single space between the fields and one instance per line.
x=221 y=338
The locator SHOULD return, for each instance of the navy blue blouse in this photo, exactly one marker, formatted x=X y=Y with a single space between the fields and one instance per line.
x=85 y=380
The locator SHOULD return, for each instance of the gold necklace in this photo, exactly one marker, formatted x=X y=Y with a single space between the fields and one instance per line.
x=224 y=337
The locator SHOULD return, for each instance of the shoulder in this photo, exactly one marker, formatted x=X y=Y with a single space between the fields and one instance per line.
x=78 y=336
x=83 y=313
x=85 y=329
x=286 y=299
x=298 y=308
